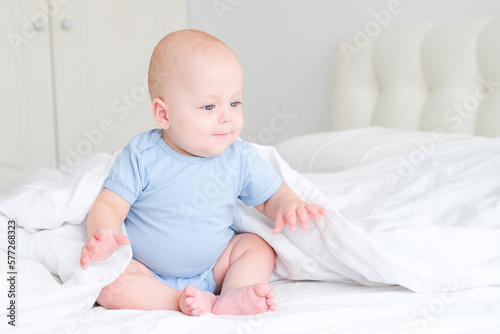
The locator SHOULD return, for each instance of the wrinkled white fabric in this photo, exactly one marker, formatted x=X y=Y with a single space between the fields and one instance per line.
x=430 y=226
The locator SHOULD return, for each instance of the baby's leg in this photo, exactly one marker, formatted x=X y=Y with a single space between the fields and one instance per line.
x=139 y=289
x=244 y=269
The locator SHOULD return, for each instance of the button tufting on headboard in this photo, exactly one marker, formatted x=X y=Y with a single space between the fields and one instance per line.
x=441 y=76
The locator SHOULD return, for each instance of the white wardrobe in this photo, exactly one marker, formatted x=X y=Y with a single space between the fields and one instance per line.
x=73 y=77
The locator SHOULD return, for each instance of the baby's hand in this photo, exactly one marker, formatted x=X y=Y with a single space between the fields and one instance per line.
x=101 y=246
x=295 y=210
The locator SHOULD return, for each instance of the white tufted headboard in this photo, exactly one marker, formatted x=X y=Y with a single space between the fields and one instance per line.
x=427 y=76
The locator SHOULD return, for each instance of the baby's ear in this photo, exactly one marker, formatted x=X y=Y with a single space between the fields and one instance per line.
x=160 y=113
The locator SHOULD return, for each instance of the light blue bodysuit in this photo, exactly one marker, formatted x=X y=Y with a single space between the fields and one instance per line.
x=181 y=210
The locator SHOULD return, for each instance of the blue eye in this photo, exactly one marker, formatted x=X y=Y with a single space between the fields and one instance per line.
x=234 y=104
x=209 y=107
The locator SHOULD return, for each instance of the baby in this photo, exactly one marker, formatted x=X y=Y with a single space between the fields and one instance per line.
x=175 y=190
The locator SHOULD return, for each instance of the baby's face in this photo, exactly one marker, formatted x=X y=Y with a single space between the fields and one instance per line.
x=204 y=105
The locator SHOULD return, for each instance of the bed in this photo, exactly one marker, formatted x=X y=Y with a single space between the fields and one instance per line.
x=409 y=176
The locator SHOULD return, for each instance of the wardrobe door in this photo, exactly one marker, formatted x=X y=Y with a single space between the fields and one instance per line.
x=27 y=124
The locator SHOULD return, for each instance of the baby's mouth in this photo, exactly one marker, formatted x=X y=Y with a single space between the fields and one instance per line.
x=222 y=134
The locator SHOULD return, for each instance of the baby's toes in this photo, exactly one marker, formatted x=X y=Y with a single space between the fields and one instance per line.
x=189 y=301
x=270 y=301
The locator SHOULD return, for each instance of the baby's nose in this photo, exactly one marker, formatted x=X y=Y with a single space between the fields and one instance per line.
x=225 y=116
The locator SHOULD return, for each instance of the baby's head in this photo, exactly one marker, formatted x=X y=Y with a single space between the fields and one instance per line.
x=195 y=83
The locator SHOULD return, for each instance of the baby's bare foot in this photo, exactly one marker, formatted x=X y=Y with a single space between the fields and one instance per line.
x=251 y=299
x=196 y=302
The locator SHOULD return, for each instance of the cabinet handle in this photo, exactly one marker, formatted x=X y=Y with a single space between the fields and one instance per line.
x=39 y=25
x=67 y=24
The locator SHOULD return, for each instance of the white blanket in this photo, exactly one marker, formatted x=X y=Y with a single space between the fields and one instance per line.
x=428 y=223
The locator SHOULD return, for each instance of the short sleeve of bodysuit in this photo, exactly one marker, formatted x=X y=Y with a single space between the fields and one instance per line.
x=126 y=176
x=259 y=181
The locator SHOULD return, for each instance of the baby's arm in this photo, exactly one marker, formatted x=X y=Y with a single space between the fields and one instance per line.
x=103 y=227
x=285 y=207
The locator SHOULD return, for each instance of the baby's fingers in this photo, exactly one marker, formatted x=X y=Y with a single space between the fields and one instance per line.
x=121 y=239
x=291 y=218
x=303 y=217
x=278 y=224
x=84 y=257
x=315 y=211
x=92 y=246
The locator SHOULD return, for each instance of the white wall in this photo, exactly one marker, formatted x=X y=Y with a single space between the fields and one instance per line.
x=287 y=48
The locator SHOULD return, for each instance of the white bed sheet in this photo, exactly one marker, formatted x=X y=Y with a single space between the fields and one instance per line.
x=436 y=231
x=312 y=307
